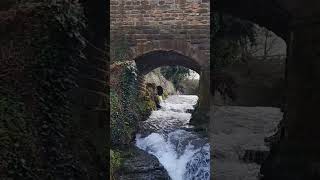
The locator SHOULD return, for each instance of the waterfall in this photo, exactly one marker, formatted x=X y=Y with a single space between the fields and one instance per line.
x=183 y=153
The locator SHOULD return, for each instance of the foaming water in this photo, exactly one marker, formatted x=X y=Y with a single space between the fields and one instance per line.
x=183 y=153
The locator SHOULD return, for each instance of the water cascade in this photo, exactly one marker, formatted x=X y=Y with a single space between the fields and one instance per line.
x=184 y=153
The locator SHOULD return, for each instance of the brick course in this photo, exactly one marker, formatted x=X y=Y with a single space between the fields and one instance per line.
x=155 y=22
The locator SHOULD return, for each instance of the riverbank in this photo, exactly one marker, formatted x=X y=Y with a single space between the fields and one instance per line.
x=133 y=110
x=128 y=108
x=237 y=131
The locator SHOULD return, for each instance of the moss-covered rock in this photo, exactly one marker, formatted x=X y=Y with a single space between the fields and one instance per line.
x=115 y=163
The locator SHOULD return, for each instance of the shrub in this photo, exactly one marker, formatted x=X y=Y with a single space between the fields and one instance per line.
x=115 y=162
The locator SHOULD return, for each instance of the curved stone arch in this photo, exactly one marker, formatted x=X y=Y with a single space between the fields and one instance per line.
x=149 y=55
x=190 y=55
x=158 y=58
x=169 y=52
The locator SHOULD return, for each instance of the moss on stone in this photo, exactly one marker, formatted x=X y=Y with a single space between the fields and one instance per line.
x=115 y=162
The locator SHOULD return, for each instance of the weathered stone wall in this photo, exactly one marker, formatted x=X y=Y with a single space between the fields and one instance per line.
x=162 y=24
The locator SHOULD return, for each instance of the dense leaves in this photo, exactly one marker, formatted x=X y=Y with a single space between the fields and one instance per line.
x=127 y=107
x=175 y=74
x=52 y=35
x=231 y=36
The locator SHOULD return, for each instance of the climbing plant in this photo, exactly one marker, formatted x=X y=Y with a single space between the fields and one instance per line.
x=127 y=107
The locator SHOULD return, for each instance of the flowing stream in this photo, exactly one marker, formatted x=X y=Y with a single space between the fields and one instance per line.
x=184 y=153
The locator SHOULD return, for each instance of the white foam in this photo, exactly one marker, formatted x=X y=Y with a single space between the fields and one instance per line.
x=174 y=147
x=165 y=151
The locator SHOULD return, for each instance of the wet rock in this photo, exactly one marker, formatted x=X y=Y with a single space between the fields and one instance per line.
x=190 y=111
x=142 y=166
x=256 y=156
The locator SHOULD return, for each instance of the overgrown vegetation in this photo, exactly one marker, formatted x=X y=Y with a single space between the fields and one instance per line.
x=127 y=108
x=42 y=45
x=231 y=37
x=175 y=74
x=115 y=163
x=16 y=159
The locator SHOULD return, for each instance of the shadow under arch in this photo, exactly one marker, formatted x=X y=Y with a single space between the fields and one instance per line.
x=154 y=59
x=259 y=12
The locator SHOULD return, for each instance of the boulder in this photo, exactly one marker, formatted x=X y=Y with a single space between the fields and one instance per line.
x=142 y=166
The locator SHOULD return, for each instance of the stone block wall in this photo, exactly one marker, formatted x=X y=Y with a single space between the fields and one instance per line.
x=161 y=21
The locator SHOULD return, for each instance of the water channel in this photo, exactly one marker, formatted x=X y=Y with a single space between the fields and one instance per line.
x=166 y=134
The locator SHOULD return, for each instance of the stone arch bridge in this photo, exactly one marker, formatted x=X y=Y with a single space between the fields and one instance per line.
x=295 y=155
x=165 y=33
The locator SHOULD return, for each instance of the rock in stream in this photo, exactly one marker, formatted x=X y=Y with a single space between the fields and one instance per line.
x=142 y=166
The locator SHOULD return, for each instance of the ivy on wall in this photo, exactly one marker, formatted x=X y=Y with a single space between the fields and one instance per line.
x=127 y=109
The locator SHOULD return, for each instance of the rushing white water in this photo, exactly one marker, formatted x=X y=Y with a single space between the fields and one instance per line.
x=183 y=153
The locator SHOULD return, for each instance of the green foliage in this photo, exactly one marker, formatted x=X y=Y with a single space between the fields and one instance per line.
x=12 y=114
x=115 y=162
x=165 y=95
x=225 y=53
x=230 y=37
x=127 y=107
x=147 y=105
x=233 y=29
x=38 y=143
x=55 y=71
x=51 y=68
x=14 y=144
x=190 y=86
x=121 y=124
x=175 y=73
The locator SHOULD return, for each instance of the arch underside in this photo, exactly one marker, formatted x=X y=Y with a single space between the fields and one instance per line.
x=152 y=60
x=266 y=13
